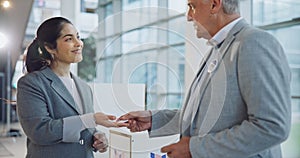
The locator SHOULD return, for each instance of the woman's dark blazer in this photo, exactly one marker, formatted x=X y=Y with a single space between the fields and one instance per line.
x=42 y=103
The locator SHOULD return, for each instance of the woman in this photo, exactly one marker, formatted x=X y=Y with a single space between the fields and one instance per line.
x=55 y=107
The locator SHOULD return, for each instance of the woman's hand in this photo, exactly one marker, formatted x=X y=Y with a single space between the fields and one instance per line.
x=100 y=142
x=107 y=120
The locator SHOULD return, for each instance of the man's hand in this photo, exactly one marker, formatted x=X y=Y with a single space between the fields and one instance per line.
x=137 y=120
x=100 y=142
x=180 y=149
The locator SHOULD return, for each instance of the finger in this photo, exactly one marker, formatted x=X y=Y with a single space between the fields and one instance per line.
x=99 y=145
x=100 y=140
x=102 y=150
x=167 y=149
x=134 y=129
x=127 y=116
x=123 y=124
x=123 y=117
x=111 y=117
x=169 y=154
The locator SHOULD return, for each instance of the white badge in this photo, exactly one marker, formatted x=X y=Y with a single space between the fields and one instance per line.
x=212 y=66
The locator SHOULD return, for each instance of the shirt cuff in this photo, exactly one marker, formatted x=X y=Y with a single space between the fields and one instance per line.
x=71 y=129
x=88 y=121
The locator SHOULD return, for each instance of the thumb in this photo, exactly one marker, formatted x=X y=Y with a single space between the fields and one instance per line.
x=167 y=148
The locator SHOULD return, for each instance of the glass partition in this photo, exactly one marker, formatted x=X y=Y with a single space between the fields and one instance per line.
x=142 y=41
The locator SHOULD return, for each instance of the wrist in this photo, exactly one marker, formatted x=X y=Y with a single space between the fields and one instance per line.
x=88 y=120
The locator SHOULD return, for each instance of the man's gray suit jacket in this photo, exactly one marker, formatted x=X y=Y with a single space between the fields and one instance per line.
x=245 y=107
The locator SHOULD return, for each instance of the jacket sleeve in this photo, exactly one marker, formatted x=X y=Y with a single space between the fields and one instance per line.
x=164 y=122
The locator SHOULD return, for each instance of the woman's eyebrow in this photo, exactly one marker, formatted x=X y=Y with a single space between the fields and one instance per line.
x=67 y=35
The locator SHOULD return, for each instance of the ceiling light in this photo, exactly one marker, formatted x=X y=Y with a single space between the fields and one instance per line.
x=6 y=4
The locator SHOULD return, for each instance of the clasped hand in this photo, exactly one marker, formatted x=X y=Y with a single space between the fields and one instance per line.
x=100 y=142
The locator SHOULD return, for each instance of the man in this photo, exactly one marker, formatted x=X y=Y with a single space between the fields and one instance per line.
x=238 y=105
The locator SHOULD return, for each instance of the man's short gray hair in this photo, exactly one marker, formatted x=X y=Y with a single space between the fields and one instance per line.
x=231 y=6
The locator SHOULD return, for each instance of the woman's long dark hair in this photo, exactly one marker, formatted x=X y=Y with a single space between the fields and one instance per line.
x=49 y=31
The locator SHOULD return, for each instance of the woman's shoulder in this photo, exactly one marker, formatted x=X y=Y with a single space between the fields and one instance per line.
x=34 y=77
x=30 y=77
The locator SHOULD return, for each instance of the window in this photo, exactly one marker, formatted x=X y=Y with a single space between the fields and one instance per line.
x=142 y=42
x=88 y=6
x=274 y=11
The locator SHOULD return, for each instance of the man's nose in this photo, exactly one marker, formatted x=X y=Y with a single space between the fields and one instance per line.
x=189 y=17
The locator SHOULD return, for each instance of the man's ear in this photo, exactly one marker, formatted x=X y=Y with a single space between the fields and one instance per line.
x=215 y=6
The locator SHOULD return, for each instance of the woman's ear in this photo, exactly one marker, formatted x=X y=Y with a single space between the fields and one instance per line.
x=50 y=49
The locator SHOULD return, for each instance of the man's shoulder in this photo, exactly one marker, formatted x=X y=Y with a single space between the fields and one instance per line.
x=255 y=32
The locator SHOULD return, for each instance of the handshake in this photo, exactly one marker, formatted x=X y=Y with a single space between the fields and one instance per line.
x=136 y=121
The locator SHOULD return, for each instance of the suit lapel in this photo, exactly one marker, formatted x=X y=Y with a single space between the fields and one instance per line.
x=60 y=88
x=202 y=64
x=231 y=37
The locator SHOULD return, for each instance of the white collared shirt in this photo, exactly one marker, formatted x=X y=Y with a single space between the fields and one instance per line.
x=220 y=36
